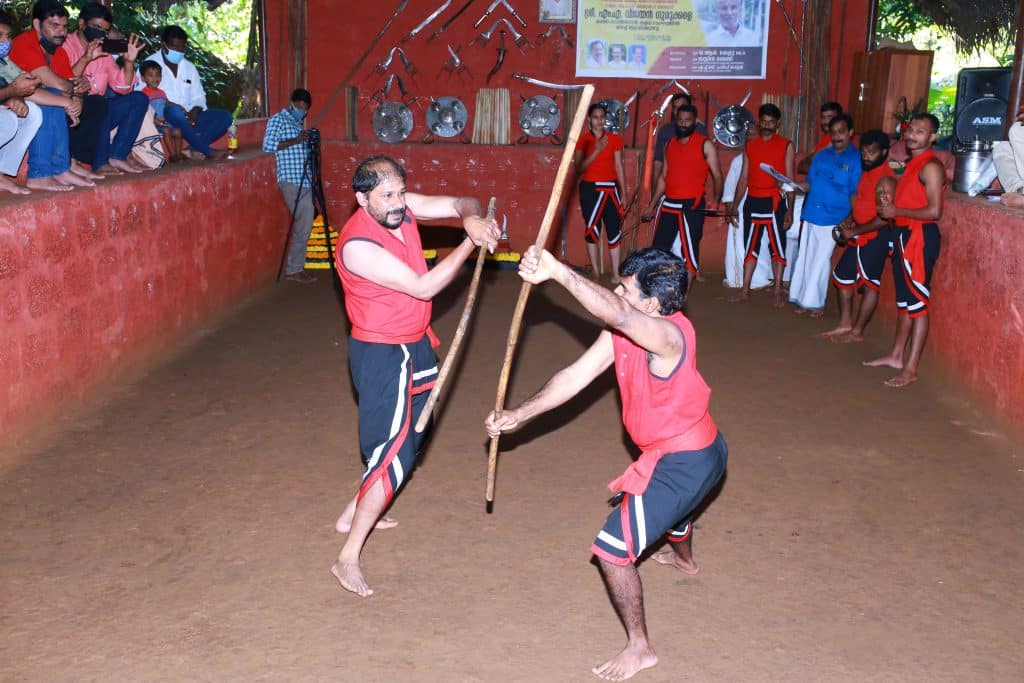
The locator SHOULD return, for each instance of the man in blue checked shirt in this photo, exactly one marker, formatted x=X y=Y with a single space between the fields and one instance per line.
x=289 y=142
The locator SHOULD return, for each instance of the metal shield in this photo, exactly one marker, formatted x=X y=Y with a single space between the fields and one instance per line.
x=539 y=116
x=730 y=125
x=392 y=122
x=447 y=117
x=618 y=116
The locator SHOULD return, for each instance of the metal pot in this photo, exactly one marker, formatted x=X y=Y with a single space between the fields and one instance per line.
x=971 y=160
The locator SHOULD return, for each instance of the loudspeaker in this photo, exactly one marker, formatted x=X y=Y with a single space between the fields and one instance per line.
x=981 y=102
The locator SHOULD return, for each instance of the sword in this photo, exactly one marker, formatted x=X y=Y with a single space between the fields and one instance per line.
x=546 y=84
x=423 y=24
x=450 y=21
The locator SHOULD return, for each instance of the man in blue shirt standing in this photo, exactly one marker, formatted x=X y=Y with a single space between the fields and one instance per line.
x=831 y=187
x=289 y=142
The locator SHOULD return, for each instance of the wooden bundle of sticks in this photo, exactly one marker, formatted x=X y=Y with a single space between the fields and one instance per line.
x=492 y=118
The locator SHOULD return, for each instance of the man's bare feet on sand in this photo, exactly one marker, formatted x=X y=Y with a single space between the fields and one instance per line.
x=850 y=337
x=901 y=380
x=8 y=185
x=69 y=178
x=51 y=184
x=626 y=664
x=738 y=298
x=351 y=578
x=344 y=524
x=884 y=362
x=672 y=559
x=836 y=332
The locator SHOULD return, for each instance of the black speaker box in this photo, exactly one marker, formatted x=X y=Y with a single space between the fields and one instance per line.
x=981 y=102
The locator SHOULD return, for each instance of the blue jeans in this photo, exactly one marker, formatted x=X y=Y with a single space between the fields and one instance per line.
x=48 y=153
x=125 y=113
x=212 y=123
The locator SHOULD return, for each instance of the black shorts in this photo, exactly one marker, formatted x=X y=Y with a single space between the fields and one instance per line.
x=679 y=483
x=393 y=382
x=862 y=265
x=913 y=288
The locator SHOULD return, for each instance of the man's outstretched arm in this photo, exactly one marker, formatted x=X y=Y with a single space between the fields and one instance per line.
x=562 y=386
x=655 y=334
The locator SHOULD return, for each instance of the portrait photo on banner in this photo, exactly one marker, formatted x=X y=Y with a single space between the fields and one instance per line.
x=672 y=38
x=557 y=11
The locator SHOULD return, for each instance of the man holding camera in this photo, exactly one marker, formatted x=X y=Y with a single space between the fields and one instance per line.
x=291 y=143
x=87 y=50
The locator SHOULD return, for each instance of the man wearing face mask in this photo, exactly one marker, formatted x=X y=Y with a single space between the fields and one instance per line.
x=289 y=142
x=125 y=109
x=199 y=125
x=50 y=162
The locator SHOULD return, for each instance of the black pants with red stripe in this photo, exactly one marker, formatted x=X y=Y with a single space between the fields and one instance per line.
x=393 y=382
x=683 y=219
x=761 y=215
x=600 y=203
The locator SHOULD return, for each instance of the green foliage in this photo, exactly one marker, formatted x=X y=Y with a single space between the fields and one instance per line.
x=217 y=39
x=900 y=19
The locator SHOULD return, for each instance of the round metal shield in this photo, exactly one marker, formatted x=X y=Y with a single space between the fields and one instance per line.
x=392 y=122
x=618 y=116
x=539 y=116
x=731 y=124
x=446 y=117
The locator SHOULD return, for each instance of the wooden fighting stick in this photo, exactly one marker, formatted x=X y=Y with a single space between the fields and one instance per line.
x=524 y=292
x=460 y=332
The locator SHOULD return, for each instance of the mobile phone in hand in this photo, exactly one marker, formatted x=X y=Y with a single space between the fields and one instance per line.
x=115 y=46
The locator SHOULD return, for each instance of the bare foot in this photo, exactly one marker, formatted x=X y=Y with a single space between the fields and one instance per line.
x=69 y=178
x=51 y=184
x=836 y=332
x=800 y=311
x=1014 y=200
x=699 y=278
x=738 y=298
x=817 y=314
x=626 y=664
x=8 y=185
x=351 y=578
x=107 y=169
x=122 y=165
x=192 y=154
x=901 y=380
x=671 y=558
x=850 y=338
x=217 y=154
x=83 y=172
x=885 y=361
x=344 y=525
x=780 y=299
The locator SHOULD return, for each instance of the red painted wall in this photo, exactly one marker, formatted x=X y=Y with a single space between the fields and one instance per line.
x=96 y=280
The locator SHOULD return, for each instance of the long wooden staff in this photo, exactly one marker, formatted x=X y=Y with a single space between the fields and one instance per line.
x=460 y=332
x=524 y=292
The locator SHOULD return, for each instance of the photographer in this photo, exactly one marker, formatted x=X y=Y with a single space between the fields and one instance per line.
x=291 y=145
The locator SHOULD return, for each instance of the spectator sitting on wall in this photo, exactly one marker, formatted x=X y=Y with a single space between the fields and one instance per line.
x=19 y=120
x=125 y=109
x=199 y=125
x=151 y=75
x=50 y=166
x=1008 y=157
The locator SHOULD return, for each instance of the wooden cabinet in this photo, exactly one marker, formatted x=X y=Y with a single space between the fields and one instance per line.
x=880 y=79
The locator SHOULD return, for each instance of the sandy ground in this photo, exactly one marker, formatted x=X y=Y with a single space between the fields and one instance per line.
x=182 y=529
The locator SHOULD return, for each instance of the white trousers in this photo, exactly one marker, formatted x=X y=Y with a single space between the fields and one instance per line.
x=15 y=134
x=809 y=285
x=1008 y=158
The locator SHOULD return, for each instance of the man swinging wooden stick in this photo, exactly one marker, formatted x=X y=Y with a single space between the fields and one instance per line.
x=391 y=353
x=665 y=410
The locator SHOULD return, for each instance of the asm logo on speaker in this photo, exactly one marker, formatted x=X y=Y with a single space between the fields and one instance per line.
x=987 y=121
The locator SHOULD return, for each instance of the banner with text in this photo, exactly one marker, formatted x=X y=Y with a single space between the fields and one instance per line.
x=672 y=38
